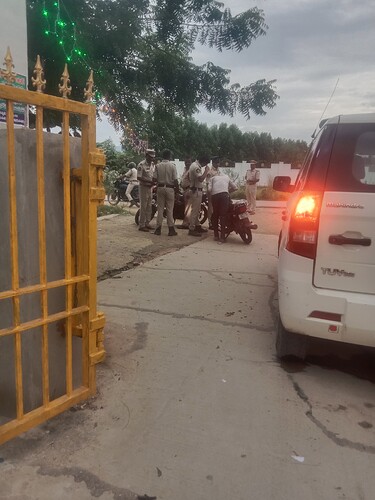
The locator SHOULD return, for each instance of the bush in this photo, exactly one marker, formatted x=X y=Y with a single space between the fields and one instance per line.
x=267 y=193
x=263 y=193
x=109 y=209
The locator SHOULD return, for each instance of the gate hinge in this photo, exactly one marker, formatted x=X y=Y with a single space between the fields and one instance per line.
x=97 y=328
x=97 y=191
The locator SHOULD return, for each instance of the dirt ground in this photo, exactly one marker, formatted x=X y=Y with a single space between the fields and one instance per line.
x=121 y=246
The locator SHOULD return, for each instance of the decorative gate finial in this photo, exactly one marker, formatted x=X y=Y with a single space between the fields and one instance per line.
x=8 y=74
x=88 y=92
x=64 y=88
x=38 y=81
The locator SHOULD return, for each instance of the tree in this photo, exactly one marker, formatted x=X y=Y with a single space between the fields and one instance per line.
x=140 y=52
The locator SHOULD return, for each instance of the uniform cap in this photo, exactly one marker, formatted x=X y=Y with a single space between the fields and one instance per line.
x=150 y=152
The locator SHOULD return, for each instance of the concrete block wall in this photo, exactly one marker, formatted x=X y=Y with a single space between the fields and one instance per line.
x=28 y=261
x=266 y=174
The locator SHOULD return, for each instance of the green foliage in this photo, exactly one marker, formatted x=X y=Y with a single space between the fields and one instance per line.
x=140 y=51
x=108 y=210
x=116 y=162
x=263 y=193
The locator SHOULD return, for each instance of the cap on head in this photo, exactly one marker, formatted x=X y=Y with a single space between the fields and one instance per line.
x=150 y=152
x=253 y=162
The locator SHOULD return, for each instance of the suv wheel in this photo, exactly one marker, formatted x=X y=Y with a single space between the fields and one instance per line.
x=290 y=344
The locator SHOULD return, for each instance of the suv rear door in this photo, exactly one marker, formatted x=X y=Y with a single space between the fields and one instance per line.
x=345 y=257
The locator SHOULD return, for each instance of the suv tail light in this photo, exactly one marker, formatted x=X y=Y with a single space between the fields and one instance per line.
x=304 y=223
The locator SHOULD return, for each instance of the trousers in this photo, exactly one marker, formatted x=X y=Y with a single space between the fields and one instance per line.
x=145 y=198
x=165 y=200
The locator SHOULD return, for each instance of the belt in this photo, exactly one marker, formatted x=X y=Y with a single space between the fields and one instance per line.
x=166 y=186
x=196 y=189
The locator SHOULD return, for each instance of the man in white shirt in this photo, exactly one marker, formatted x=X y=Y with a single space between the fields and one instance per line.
x=220 y=186
x=252 y=178
x=131 y=175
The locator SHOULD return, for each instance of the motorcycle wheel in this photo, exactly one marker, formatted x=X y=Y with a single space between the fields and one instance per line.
x=227 y=232
x=246 y=236
x=113 y=198
x=203 y=214
x=153 y=212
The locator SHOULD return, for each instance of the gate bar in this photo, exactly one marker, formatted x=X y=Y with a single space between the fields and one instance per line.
x=14 y=254
x=68 y=252
x=42 y=250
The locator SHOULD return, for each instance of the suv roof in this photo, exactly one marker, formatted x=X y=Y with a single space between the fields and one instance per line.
x=355 y=118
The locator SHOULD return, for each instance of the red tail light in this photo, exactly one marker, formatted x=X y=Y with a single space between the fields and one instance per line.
x=304 y=223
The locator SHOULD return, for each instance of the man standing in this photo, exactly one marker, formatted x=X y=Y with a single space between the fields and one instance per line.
x=165 y=176
x=252 y=178
x=185 y=186
x=145 y=172
x=197 y=175
x=220 y=186
x=215 y=161
x=131 y=175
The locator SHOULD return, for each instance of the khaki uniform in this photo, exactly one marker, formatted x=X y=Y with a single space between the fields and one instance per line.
x=145 y=173
x=165 y=175
x=185 y=185
x=252 y=176
x=196 y=189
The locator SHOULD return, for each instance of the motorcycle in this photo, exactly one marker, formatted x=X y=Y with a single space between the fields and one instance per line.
x=239 y=222
x=179 y=207
x=119 y=192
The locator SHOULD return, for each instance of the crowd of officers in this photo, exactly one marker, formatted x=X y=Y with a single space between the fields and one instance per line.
x=197 y=175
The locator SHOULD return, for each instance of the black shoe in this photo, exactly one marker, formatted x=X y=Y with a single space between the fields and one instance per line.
x=144 y=229
x=149 y=227
x=182 y=226
x=194 y=233
x=172 y=231
x=158 y=231
x=200 y=229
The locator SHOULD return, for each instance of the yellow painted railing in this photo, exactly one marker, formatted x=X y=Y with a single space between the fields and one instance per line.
x=82 y=192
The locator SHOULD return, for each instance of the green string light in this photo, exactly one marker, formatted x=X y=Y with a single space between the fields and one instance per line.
x=58 y=26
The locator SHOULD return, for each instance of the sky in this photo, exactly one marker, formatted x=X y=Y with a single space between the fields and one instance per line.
x=312 y=48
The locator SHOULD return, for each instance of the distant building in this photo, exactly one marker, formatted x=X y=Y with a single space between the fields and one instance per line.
x=268 y=171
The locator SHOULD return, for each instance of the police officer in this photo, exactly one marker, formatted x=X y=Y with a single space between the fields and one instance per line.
x=185 y=186
x=165 y=177
x=215 y=163
x=197 y=173
x=145 y=172
x=252 y=177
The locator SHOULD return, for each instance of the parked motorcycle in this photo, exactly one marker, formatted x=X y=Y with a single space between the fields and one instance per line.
x=118 y=193
x=178 y=209
x=239 y=222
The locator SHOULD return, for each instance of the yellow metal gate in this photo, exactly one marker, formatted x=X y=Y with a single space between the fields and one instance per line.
x=78 y=323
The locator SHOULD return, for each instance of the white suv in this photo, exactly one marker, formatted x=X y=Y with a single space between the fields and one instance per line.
x=326 y=264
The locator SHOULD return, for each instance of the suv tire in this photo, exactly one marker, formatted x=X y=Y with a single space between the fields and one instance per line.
x=290 y=344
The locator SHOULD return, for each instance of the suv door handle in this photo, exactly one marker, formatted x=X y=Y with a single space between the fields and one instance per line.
x=339 y=239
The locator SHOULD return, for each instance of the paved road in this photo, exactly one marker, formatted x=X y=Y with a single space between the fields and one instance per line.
x=192 y=403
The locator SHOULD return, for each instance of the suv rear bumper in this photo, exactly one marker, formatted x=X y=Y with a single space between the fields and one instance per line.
x=298 y=298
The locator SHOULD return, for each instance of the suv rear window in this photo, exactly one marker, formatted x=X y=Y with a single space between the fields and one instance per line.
x=352 y=165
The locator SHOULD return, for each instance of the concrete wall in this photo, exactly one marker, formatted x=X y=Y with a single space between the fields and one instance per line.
x=27 y=215
x=13 y=33
x=266 y=174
